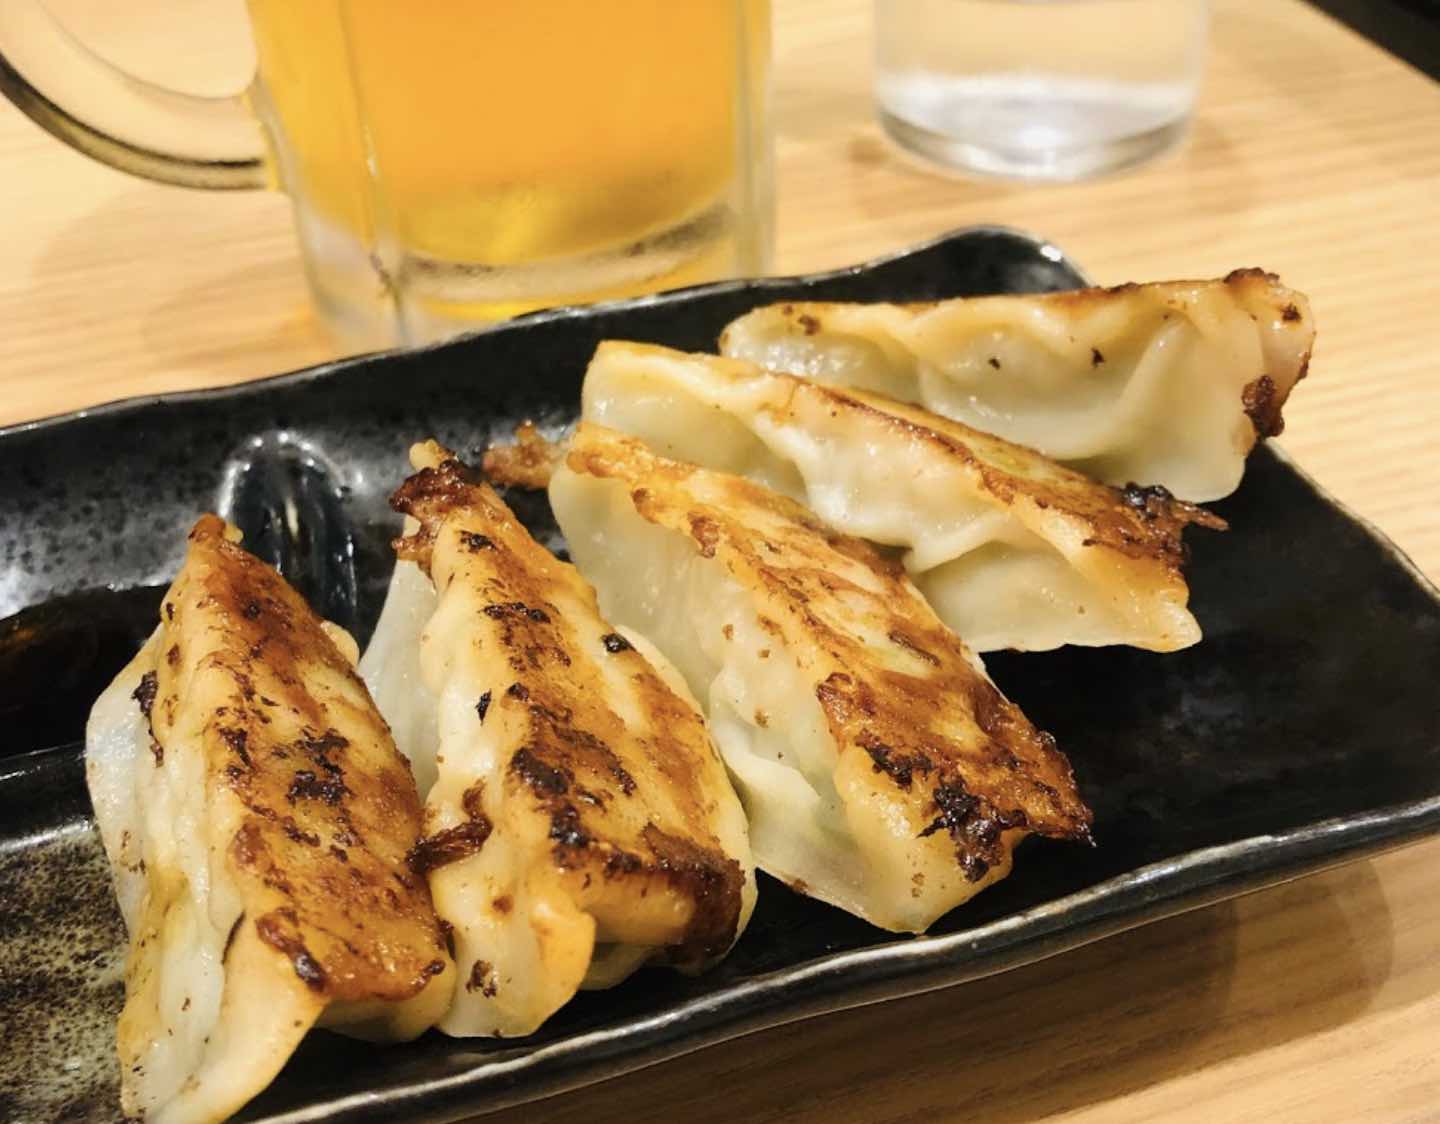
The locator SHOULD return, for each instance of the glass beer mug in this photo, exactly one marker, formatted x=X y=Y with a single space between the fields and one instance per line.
x=454 y=162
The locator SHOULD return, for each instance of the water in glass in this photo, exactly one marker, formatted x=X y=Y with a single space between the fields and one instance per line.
x=1050 y=89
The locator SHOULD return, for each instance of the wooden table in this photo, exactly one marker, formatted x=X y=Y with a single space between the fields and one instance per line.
x=1314 y=154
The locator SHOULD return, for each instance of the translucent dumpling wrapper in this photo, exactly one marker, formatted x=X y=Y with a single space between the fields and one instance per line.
x=1011 y=549
x=881 y=769
x=581 y=822
x=258 y=820
x=1168 y=384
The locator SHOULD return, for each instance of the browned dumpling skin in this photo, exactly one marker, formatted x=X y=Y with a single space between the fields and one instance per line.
x=881 y=769
x=581 y=821
x=1012 y=549
x=1168 y=383
x=261 y=825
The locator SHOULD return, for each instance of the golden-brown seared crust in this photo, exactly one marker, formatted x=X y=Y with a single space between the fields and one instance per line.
x=623 y=807
x=323 y=806
x=1138 y=522
x=892 y=681
x=1262 y=401
x=528 y=463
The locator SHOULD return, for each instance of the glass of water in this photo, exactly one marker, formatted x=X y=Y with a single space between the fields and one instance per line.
x=1038 y=89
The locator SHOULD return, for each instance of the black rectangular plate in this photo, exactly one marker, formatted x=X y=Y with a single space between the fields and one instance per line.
x=1301 y=733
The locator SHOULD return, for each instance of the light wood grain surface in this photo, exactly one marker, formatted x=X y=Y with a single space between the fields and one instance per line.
x=1314 y=154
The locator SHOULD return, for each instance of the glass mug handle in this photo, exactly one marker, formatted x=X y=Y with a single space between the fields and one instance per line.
x=117 y=119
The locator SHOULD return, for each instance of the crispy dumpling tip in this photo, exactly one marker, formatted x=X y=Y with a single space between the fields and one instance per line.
x=528 y=462
x=1012 y=549
x=1168 y=383
x=881 y=769
x=581 y=822
x=257 y=818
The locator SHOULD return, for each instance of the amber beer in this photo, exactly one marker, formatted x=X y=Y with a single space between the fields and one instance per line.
x=477 y=158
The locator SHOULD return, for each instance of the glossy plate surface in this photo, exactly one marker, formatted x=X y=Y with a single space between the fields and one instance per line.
x=1302 y=732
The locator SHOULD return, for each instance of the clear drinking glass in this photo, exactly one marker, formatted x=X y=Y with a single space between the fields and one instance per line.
x=453 y=162
x=1038 y=89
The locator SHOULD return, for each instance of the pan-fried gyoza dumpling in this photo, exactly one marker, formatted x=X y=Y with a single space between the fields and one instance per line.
x=258 y=820
x=1011 y=549
x=1165 y=384
x=582 y=822
x=881 y=769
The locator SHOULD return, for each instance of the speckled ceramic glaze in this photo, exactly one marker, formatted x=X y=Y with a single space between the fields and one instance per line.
x=1302 y=732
